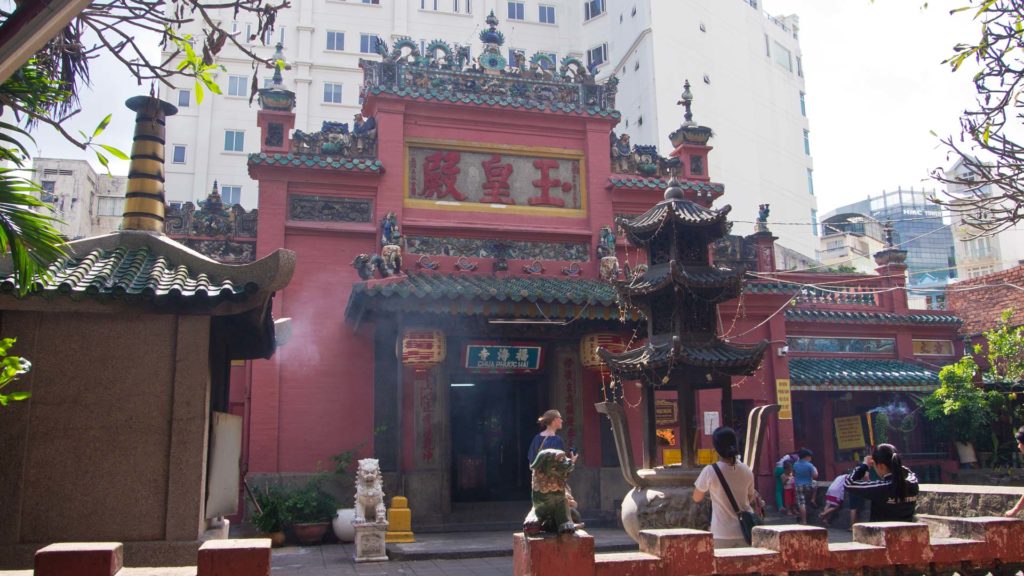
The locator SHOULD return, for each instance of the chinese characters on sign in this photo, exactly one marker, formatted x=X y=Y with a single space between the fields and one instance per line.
x=503 y=358
x=849 y=433
x=426 y=417
x=494 y=178
x=785 y=401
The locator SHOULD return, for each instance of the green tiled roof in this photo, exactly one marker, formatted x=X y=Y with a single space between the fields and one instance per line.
x=132 y=273
x=852 y=374
x=654 y=183
x=754 y=287
x=490 y=100
x=475 y=294
x=313 y=161
x=836 y=316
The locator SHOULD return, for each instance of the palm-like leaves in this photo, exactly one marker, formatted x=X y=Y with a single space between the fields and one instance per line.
x=27 y=235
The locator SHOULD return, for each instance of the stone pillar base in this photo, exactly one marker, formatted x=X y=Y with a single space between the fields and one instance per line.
x=370 y=542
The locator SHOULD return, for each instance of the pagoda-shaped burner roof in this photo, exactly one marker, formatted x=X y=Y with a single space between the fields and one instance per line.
x=641 y=229
x=661 y=354
x=726 y=281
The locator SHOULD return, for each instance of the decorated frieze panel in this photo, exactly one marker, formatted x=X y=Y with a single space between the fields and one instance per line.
x=224 y=251
x=491 y=178
x=309 y=208
x=490 y=248
x=841 y=344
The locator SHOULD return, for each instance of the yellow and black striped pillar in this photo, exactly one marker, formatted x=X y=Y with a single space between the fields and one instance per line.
x=144 y=202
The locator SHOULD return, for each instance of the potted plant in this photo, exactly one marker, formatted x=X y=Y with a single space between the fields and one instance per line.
x=961 y=410
x=310 y=510
x=270 y=515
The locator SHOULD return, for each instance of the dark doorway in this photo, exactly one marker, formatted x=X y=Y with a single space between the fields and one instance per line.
x=493 y=421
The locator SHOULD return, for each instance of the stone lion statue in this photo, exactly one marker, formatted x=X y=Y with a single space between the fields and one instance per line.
x=553 y=505
x=369 y=492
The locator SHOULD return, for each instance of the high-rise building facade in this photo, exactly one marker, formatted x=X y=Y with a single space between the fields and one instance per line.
x=745 y=67
x=85 y=203
x=919 y=227
x=979 y=253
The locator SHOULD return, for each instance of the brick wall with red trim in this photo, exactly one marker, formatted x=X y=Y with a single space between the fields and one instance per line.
x=980 y=308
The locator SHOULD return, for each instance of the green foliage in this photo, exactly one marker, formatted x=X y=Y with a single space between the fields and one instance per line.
x=195 y=65
x=343 y=460
x=11 y=367
x=960 y=409
x=310 y=504
x=271 y=513
x=1004 y=351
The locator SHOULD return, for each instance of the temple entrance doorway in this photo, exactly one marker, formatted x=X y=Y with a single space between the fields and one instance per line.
x=493 y=420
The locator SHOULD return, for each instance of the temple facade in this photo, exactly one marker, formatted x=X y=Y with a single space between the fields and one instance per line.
x=458 y=260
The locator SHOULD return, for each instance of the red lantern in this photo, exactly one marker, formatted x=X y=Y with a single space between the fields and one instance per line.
x=591 y=342
x=422 y=349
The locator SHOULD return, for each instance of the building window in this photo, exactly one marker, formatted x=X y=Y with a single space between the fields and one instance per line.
x=368 y=43
x=799 y=67
x=371 y=1
x=803 y=105
x=280 y=35
x=178 y=154
x=428 y=4
x=814 y=221
x=234 y=140
x=460 y=5
x=783 y=57
x=767 y=46
x=547 y=14
x=230 y=195
x=807 y=142
x=236 y=86
x=597 y=56
x=516 y=11
x=810 y=181
x=184 y=98
x=48 y=194
x=593 y=9
x=335 y=41
x=110 y=206
x=546 y=64
x=332 y=93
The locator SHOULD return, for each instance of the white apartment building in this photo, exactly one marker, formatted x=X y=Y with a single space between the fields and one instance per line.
x=87 y=203
x=978 y=255
x=745 y=68
x=851 y=241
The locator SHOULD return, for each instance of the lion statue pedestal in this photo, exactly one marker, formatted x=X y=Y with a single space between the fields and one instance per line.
x=371 y=533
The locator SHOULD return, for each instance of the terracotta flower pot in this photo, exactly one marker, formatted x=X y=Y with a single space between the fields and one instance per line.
x=276 y=538
x=310 y=534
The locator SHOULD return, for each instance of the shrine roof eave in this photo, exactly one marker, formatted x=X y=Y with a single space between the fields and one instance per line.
x=858 y=317
x=486 y=295
x=139 y=272
x=654 y=183
x=859 y=375
x=488 y=101
x=371 y=166
x=664 y=354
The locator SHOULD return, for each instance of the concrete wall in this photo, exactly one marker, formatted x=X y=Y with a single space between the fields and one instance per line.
x=112 y=444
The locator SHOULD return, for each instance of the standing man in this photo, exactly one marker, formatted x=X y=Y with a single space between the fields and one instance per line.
x=805 y=474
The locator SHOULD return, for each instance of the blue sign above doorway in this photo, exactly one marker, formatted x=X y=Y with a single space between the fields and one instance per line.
x=503 y=357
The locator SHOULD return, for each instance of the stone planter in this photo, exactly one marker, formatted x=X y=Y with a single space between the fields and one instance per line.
x=310 y=534
x=342 y=525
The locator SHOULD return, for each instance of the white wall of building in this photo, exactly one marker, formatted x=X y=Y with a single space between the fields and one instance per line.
x=752 y=102
x=87 y=203
x=978 y=255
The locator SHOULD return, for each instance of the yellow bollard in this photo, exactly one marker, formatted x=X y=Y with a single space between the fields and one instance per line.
x=399 y=521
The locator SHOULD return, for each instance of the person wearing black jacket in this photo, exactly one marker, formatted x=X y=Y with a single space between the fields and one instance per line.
x=894 y=496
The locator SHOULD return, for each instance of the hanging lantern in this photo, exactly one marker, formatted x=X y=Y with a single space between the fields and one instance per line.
x=422 y=349
x=591 y=342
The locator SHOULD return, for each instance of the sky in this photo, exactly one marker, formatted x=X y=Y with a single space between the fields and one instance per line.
x=878 y=95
